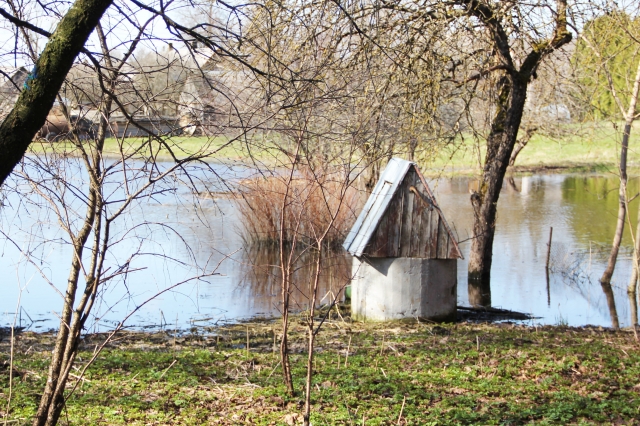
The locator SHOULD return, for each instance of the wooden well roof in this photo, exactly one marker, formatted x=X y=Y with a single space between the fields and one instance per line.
x=401 y=218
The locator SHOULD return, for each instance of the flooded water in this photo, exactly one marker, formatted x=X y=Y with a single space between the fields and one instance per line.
x=582 y=211
x=192 y=237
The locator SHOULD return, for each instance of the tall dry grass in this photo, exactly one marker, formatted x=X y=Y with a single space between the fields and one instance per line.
x=311 y=200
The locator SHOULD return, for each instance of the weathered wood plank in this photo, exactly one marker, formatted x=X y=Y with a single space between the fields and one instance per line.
x=378 y=245
x=418 y=236
x=452 y=250
x=425 y=238
x=434 y=218
x=394 y=223
x=443 y=240
x=406 y=224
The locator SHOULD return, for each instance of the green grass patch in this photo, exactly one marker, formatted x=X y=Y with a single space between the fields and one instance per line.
x=376 y=374
x=218 y=148
x=590 y=147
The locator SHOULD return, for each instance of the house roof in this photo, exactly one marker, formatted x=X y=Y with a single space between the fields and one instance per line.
x=377 y=216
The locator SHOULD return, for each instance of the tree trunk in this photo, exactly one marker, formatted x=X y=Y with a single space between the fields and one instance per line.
x=611 y=304
x=479 y=293
x=522 y=142
x=52 y=400
x=633 y=282
x=32 y=107
x=63 y=358
x=605 y=280
x=306 y=416
x=622 y=207
x=286 y=257
x=284 y=343
x=512 y=93
x=500 y=143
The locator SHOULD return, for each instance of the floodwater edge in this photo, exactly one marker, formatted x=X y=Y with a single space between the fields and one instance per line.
x=462 y=373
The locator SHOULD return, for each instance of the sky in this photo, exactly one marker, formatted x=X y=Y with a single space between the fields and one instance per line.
x=121 y=23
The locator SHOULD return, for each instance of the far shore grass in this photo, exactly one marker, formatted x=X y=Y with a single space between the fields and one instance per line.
x=365 y=374
x=589 y=147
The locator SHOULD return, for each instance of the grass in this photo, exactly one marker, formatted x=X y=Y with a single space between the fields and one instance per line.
x=589 y=147
x=373 y=374
x=216 y=148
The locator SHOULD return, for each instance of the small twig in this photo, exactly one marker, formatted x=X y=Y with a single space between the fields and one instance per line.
x=346 y=358
x=252 y=384
x=79 y=378
x=274 y=339
x=352 y=416
x=11 y=355
x=175 y=335
x=274 y=369
x=404 y=398
x=549 y=247
x=167 y=369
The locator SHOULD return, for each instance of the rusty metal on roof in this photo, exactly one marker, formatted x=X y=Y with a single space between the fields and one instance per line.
x=401 y=218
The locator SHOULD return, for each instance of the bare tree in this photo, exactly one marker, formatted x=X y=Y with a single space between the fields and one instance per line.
x=87 y=191
x=517 y=65
x=317 y=112
x=492 y=46
x=46 y=78
x=599 y=43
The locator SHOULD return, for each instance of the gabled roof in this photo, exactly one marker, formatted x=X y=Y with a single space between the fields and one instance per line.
x=375 y=206
x=384 y=231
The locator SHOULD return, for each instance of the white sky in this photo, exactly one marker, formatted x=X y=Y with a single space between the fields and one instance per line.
x=120 y=31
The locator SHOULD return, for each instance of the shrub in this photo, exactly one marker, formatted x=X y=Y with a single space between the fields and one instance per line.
x=313 y=198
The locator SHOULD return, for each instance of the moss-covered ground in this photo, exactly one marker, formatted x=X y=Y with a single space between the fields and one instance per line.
x=372 y=374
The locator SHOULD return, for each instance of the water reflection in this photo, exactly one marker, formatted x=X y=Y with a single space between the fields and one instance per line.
x=479 y=293
x=581 y=209
x=611 y=304
x=261 y=273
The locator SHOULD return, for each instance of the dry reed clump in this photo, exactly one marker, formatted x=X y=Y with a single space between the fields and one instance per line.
x=310 y=202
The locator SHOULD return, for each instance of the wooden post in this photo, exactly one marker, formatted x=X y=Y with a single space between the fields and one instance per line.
x=547 y=266
x=549 y=247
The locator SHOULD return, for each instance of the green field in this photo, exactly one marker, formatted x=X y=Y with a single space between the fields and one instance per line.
x=584 y=147
x=588 y=147
x=209 y=148
x=372 y=374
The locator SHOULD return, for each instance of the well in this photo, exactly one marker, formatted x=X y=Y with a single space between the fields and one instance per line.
x=405 y=254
